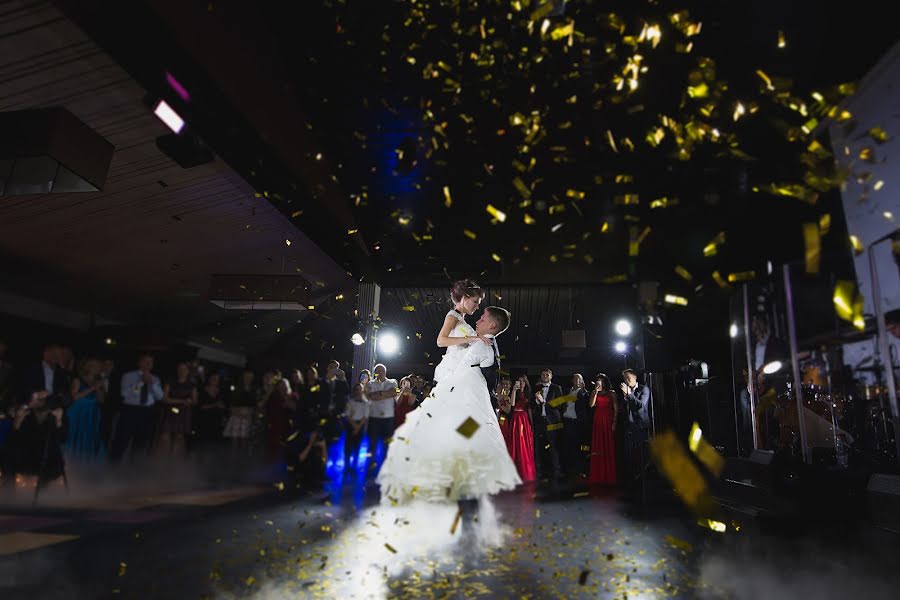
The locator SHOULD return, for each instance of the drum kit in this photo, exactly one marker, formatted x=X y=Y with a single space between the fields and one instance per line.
x=845 y=405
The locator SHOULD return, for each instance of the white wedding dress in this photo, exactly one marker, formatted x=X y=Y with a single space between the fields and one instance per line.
x=428 y=459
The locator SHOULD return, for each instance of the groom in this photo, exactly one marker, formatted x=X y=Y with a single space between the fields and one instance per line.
x=493 y=322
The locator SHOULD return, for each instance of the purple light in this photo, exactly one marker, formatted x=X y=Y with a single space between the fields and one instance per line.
x=179 y=89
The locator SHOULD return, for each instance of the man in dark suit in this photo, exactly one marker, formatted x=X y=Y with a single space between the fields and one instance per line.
x=636 y=397
x=548 y=427
x=45 y=376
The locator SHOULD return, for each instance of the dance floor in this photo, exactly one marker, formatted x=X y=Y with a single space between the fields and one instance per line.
x=536 y=543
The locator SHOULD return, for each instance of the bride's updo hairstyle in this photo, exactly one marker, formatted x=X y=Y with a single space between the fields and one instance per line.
x=465 y=288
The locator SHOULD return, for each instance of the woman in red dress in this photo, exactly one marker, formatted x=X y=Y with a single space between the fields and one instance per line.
x=517 y=431
x=405 y=402
x=603 y=440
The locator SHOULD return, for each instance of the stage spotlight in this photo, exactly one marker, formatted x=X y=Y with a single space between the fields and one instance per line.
x=388 y=344
x=623 y=327
x=772 y=367
x=621 y=347
x=733 y=330
x=168 y=116
x=357 y=339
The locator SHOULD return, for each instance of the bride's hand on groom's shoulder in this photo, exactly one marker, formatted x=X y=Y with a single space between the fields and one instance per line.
x=485 y=340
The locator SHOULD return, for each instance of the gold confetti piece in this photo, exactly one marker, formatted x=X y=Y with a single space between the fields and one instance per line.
x=315 y=388
x=680 y=470
x=352 y=231
x=812 y=243
x=673 y=299
x=580 y=494
x=409 y=308
x=250 y=580
x=575 y=194
x=605 y=227
x=705 y=452
x=470 y=234
x=296 y=214
x=683 y=273
x=878 y=134
x=279 y=486
x=554 y=426
x=856 y=245
x=123 y=567
x=741 y=276
x=496 y=213
x=521 y=187
x=717 y=277
x=468 y=427
x=701 y=90
x=713 y=525
x=529 y=220
x=560 y=400
x=824 y=224
x=843 y=298
x=678 y=543
x=782 y=42
x=627 y=199
x=448 y=200
x=615 y=278
x=562 y=31
x=496 y=257
x=456 y=521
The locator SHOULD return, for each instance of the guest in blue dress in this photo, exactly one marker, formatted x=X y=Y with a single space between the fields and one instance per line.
x=84 y=441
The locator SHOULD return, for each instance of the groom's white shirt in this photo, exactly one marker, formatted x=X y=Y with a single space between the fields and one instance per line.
x=477 y=354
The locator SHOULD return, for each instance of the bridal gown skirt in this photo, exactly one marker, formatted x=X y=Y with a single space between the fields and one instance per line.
x=430 y=460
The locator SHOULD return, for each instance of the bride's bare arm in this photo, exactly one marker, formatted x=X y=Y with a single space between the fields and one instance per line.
x=444 y=340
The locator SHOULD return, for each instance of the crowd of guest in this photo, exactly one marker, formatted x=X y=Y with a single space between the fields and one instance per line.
x=64 y=409
x=581 y=432
x=85 y=409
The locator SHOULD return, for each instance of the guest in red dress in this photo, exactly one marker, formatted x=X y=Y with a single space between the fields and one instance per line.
x=603 y=440
x=405 y=402
x=517 y=430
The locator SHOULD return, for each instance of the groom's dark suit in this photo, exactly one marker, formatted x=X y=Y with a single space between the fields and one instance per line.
x=492 y=376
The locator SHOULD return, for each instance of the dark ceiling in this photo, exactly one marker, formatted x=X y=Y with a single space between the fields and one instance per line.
x=356 y=116
x=417 y=142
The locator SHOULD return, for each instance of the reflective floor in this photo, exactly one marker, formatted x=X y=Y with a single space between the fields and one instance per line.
x=539 y=542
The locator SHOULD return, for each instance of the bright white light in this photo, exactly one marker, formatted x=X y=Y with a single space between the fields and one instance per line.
x=733 y=330
x=621 y=347
x=168 y=116
x=623 y=327
x=388 y=344
x=357 y=339
x=109 y=341
x=772 y=367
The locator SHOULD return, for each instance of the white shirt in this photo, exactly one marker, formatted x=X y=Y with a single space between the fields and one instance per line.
x=381 y=409
x=357 y=410
x=49 y=373
x=544 y=389
x=132 y=382
x=570 y=406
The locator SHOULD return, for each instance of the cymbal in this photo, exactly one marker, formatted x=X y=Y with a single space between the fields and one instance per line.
x=845 y=336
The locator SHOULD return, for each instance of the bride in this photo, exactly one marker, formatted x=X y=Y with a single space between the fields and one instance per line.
x=451 y=448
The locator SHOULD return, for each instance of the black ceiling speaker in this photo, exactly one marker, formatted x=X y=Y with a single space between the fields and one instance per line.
x=50 y=151
x=185 y=148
